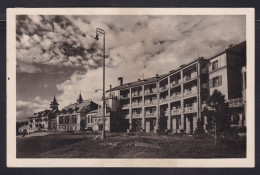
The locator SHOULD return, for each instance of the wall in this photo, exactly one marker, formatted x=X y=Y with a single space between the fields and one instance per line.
x=224 y=87
x=222 y=71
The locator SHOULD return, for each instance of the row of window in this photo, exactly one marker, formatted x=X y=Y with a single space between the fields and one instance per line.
x=66 y=119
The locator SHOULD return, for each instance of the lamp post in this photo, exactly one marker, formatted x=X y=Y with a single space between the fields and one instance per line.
x=98 y=32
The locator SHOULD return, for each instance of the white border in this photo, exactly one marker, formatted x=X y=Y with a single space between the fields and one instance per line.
x=12 y=161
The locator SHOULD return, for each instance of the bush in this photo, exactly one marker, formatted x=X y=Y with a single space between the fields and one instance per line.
x=162 y=132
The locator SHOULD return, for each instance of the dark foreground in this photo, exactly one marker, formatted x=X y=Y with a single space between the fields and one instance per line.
x=120 y=145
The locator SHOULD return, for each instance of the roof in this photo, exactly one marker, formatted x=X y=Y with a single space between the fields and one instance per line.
x=139 y=82
x=54 y=101
x=235 y=48
x=45 y=113
x=76 y=108
x=80 y=99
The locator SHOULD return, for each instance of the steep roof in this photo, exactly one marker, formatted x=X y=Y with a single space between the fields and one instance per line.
x=80 y=99
x=54 y=101
x=76 y=108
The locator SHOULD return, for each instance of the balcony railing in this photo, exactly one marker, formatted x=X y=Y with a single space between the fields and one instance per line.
x=150 y=91
x=175 y=96
x=135 y=94
x=154 y=102
x=162 y=100
x=125 y=96
x=176 y=111
x=151 y=114
x=190 y=76
x=176 y=82
x=137 y=104
x=126 y=115
x=192 y=108
x=125 y=105
x=192 y=92
x=137 y=115
x=164 y=87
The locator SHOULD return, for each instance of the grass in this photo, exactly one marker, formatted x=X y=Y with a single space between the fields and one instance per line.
x=120 y=145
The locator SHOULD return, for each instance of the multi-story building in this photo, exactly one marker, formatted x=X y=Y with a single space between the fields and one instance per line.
x=73 y=116
x=42 y=120
x=227 y=73
x=180 y=94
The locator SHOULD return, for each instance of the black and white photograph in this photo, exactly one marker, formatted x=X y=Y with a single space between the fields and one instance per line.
x=132 y=85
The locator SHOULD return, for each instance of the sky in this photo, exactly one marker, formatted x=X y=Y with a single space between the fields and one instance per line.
x=59 y=54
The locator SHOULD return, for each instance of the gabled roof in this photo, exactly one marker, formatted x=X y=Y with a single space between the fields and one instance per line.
x=76 y=108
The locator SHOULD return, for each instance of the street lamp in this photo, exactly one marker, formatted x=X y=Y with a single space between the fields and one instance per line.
x=98 y=32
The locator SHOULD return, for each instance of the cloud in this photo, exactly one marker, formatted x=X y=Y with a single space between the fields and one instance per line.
x=25 y=109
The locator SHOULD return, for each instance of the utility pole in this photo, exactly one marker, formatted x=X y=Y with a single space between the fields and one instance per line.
x=101 y=31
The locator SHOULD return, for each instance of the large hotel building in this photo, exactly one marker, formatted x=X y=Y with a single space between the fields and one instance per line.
x=181 y=94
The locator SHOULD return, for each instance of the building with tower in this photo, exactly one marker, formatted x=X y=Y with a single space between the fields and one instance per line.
x=73 y=116
x=43 y=120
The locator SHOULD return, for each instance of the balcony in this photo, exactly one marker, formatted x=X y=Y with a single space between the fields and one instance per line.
x=148 y=91
x=192 y=108
x=126 y=115
x=176 y=111
x=154 y=102
x=137 y=104
x=163 y=100
x=137 y=115
x=136 y=94
x=125 y=96
x=192 y=92
x=126 y=106
x=175 y=96
x=176 y=82
x=190 y=76
x=155 y=114
x=162 y=88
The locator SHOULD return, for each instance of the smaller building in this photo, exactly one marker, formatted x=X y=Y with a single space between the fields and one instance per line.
x=42 y=120
x=23 y=129
x=73 y=116
x=113 y=120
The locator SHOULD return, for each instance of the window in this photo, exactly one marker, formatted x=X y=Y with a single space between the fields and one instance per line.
x=74 y=119
x=205 y=85
x=61 y=120
x=216 y=81
x=214 y=65
x=67 y=120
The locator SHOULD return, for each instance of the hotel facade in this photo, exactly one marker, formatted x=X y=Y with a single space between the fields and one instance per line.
x=181 y=94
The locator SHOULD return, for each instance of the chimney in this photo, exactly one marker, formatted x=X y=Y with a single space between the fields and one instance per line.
x=138 y=79
x=120 y=81
x=110 y=86
x=157 y=75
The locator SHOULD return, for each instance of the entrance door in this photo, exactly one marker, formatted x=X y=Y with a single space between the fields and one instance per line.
x=148 y=126
x=191 y=124
x=174 y=125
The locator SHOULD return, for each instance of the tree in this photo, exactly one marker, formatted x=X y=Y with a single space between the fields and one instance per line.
x=217 y=112
x=162 y=123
